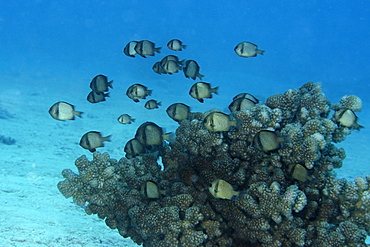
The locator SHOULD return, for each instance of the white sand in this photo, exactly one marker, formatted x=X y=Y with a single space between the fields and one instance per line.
x=32 y=210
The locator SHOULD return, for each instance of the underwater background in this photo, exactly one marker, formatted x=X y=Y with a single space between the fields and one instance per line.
x=50 y=51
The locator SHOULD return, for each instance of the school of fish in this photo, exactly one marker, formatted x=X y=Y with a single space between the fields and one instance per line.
x=149 y=137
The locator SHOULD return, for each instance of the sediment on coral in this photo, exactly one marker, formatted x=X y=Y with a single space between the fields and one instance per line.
x=289 y=197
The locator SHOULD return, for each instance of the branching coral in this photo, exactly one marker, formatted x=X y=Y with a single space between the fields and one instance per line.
x=276 y=207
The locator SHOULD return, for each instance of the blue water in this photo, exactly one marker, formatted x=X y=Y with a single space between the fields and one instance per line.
x=315 y=40
x=57 y=47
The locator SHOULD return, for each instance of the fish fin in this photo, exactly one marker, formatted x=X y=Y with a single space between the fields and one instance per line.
x=136 y=100
x=234 y=123
x=215 y=90
x=77 y=113
x=158 y=49
x=356 y=126
x=170 y=137
x=164 y=192
x=239 y=124
x=242 y=194
x=235 y=197
x=284 y=139
x=107 y=138
x=92 y=150
x=110 y=84
x=200 y=76
x=201 y=100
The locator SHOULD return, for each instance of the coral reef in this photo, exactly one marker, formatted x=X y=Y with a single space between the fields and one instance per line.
x=276 y=207
x=7 y=140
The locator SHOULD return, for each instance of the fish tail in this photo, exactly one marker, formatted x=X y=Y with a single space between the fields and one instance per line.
x=170 y=137
x=234 y=123
x=158 y=49
x=183 y=46
x=107 y=138
x=235 y=196
x=149 y=92
x=200 y=76
x=260 y=52
x=182 y=62
x=215 y=90
x=78 y=113
x=110 y=84
x=356 y=126
x=242 y=194
x=239 y=124
x=284 y=139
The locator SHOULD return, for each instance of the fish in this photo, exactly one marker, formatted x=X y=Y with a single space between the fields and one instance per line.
x=92 y=140
x=63 y=111
x=146 y=48
x=247 y=49
x=299 y=172
x=158 y=68
x=129 y=49
x=175 y=45
x=268 y=141
x=221 y=189
x=150 y=134
x=240 y=104
x=125 y=119
x=138 y=91
x=94 y=97
x=178 y=111
x=218 y=121
x=150 y=190
x=134 y=148
x=201 y=90
x=171 y=67
x=191 y=70
x=152 y=104
x=100 y=84
x=347 y=118
x=172 y=58
x=246 y=96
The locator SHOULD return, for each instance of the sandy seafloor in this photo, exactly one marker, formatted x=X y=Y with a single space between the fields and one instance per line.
x=32 y=210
